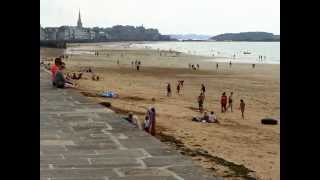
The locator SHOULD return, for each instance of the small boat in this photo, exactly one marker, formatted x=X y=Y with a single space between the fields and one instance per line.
x=246 y=52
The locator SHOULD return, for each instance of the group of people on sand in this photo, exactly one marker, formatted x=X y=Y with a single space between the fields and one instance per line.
x=57 y=75
x=96 y=53
x=136 y=64
x=179 y=88
x=261 y=58
x=194 y=67
x=227 y=102
x=149 y=123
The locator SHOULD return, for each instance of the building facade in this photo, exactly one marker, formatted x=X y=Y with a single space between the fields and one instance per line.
x=68 y=33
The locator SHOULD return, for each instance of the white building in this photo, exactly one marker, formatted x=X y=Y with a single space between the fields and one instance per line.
x=71 y=32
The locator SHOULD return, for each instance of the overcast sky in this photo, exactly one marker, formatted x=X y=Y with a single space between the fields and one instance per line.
x=209 y=17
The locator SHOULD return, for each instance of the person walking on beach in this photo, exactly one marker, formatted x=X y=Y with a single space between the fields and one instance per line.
x=230 y=64
x=178 y=88
x=224 y=102
x=118 y=62
x=132 y=66
x=201 y=98
x=198 y=67
x=169 y=90
x=230 y=100
x=253 y=66
x=203 y=88
x=242 y=108
x=181 y=83
x=217 y=66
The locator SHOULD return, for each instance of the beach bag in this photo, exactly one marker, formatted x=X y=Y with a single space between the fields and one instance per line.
x=269 y=121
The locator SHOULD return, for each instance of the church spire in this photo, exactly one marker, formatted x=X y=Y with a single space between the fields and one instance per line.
x=79 y=20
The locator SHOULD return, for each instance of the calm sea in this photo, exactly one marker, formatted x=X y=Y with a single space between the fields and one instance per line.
x=223 y=51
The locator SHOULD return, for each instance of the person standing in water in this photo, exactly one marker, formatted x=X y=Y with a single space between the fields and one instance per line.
x=242 y=108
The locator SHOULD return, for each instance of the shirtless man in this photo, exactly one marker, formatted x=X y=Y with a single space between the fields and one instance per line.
x=223 y=102
x=242 y=108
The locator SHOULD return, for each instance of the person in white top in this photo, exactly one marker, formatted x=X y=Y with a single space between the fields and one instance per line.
x=212 y=118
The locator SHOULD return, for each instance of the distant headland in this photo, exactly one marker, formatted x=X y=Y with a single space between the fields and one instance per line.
x=246 y=36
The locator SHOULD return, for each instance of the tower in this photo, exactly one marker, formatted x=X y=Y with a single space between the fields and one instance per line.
x=79 y=24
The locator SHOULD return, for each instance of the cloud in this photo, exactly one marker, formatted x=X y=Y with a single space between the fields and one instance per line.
x=169 y=16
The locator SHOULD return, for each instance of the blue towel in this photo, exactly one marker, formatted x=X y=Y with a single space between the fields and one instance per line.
x=108 y=94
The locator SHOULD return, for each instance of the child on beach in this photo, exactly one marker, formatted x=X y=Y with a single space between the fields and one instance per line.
x=169 y=89
x=150 y=121
x=230 y=101
x=223 y=102
x=242 y=107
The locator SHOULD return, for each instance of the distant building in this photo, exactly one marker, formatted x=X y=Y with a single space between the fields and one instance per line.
x=51 y=33
x=42 y=33
x=68 y=32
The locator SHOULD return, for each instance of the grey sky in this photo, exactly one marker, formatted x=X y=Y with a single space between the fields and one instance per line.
x=210 y=17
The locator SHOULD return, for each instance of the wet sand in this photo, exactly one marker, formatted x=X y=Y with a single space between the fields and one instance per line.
x=243 y=142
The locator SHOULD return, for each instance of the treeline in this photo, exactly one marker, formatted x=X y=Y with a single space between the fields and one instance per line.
x=129 y=33
x=247 y=36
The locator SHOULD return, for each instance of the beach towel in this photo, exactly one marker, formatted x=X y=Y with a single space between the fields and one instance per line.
x=109 y=94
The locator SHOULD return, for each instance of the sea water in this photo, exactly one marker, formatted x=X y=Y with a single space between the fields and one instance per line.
x=237 y=52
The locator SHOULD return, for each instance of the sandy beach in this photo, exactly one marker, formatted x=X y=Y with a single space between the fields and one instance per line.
x=244 y=142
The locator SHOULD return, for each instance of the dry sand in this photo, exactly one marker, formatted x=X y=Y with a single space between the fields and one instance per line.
x=243 y=142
